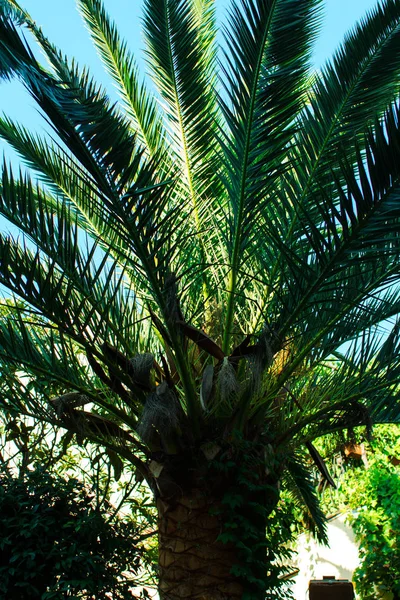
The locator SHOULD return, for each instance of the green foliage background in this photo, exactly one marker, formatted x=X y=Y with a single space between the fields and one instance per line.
x=373 y=496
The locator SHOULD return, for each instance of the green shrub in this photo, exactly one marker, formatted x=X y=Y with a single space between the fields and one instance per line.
x=55 y=544
x=376 y=525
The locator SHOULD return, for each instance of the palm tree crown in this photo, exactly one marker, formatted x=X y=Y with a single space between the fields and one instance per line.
x=213 y=259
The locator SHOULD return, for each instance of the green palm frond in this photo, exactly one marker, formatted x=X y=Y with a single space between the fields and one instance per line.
x=356 y=235
x=344 y=98
x=343 y=101
x=48 y=363
x=40 y=348
x=141 y=220
x=75 y=108
x=184 y=75
x=138 y=101
x=75 y=308
x=66 y=179
x=359 y=387
x=185 y=81
x=99 y=139
x=302 y=489
x=346 y=250
x=182 y=54
x=55 y=361
x=269 y=45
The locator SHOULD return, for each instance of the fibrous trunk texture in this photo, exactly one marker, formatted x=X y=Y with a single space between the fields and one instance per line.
x=192 y=563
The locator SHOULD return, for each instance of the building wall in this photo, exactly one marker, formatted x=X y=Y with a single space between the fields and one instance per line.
x=314 y=560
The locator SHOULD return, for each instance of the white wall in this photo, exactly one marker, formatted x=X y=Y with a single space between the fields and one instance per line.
x=315 y=561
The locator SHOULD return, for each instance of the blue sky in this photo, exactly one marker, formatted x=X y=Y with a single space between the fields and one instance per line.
x=63 y=25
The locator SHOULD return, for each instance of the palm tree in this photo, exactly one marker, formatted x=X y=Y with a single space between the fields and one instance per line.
x=206 y=274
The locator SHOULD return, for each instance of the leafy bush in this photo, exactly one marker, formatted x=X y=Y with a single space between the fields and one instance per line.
x=377 y=528
x=373 y=496
x=55 y=544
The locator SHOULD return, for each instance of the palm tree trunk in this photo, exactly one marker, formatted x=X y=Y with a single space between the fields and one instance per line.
x=192 y=562
x=212 y=524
